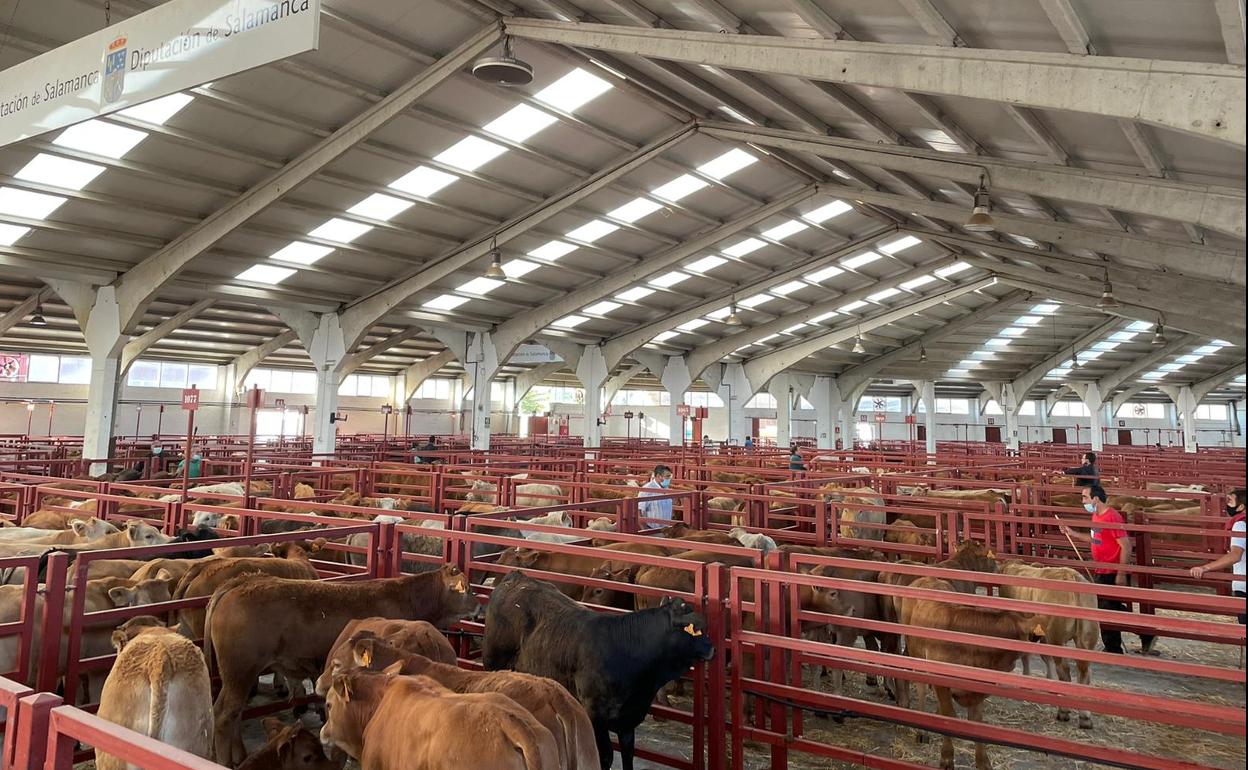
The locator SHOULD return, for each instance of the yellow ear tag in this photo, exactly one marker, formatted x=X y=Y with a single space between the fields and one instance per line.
x=991 y=555
x=366 y=658
x=689 y=629
x=1038 y=630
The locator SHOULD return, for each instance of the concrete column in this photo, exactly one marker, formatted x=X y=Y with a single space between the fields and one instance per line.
x=676 y=380
x=481 y=365
x=734 y=389
x=1010 y=406
x=105 y=342
x=825 y=395
x=227 y=398
x=782 y=390
x=927 y=392
x=327 y=351
x=1237 y=414
x=591 y=370
x=1186 y=405
x=1091 y=396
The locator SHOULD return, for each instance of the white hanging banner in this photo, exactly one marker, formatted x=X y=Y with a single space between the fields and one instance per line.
x=172 y=47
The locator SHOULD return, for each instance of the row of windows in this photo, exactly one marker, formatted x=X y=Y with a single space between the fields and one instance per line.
x=373 y=385
x=440 y=389
x=170 y=374
x=642 y=398
x=67 y=370
x=948 y=406
x=558 y=394
x=704 y=399
x=880 y=404
x=1026 y=409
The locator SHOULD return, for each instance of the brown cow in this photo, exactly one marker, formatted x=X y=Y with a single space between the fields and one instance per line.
x=415 y=636
x=549 y=703
x=255 y=623
x=290 y=747
x=573 y=564
x=927 y=613
x=391 y=722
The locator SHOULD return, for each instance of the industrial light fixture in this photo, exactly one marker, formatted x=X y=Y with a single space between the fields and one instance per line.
x=858 y=348
x=980 y=220
x=1108 y=301
x=1159 y=334
x=922 y=354
x=495 y=270
x=733 y=319
x=505 y=70
x=1074 y=360
x=37 y=319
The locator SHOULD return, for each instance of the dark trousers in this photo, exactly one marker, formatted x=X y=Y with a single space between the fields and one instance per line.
x=1241 y=595
x=1112 y=639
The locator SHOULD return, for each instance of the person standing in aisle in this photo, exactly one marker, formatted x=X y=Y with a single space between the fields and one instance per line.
x=749 y=442
x=659 y=484
x=1086 y=475
x=795 y=460
x=1236 y=555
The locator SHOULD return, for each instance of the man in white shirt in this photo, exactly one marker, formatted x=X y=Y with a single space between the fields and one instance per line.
x=658 y=484
x=1235 y=555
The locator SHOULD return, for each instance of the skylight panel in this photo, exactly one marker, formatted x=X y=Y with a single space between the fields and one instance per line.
x=1171 y=367
x=1025 y=241
x=795 y=327
x=953 y=269
x=768 y=338
x=1057 y=374
x=915 y=283
x=31 y=205
x=10 y=233
x=635 y=209
x=899 y=244
x=665 y=336
x=729 y=163
x=570 y=321
x=603 y=307
x=790 y=287
x=879 y=296
x=851 y=307
x=669 y=279
x=1012 y=331
x=100 y=138
x=635 y=293
x=552 y=250
x=480 y=285
x=1092 y=355
x=1105 y=346
x=1123 y=336
x=519 y=267
x=303 y=253
x=1206 y=350
x=998 y=342
x=470 y=153
x=827 y=211
x=519 y=123
x=423 y=181
x=984 y=355
x=756 y=300
x=679 y=187
x=858 y=260
x=1028 y=320
x=1139 y=326
x=958 y=372
x=742 y=248
x=1190 y=358
x=445 y=302
x=1222 y=343
x=782 y=231
x=157 y=111
x=573 y=90
x=379 y=206
x=59 y=172
x=823 y=274
x=1045 y=308
x=1154 y=375
x=823 y=317
x=267 y=274
x=696 y=323
x=340 y=230
x=720 y=314
x=969 y=363
x=706 y=264
x=593 y=230
x=730 y=112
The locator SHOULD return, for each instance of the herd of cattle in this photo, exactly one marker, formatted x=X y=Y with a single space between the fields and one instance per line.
x=559 y=676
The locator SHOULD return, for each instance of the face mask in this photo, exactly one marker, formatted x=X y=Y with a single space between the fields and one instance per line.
x=157 y=450
x=1231 y=510
x=196 y=458
x=1089 y=507
x=665 y=483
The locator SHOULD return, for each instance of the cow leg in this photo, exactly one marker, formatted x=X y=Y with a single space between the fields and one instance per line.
x=1085 y=677
x=975 y=712
x=627 y=740
x=602 y=739
x=1063 y=673
x=944 y=705
x=920 y=704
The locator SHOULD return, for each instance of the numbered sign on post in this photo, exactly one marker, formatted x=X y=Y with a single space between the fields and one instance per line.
x=190 y=399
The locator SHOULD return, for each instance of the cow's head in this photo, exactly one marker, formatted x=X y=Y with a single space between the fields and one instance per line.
x=127 y=631
x=92 y=528
x=290 y=747
x=350 y=703
x=142 y=533
x=608 y=597
x=143 y=592
x=686 y=631
x=459 y=602
x=205 y=519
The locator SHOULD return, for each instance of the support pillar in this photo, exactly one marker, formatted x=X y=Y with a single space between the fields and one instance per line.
x=591 y=370
x=1237 y=423
x=782 y=390
x=1010 y=406
x=481 y=364
x=825 y=395
x=105 y=342
x=1185 y=408
x=1090 y=394
x=927 y=392
x=676 y=380
x=733 y=387
x=327 y=351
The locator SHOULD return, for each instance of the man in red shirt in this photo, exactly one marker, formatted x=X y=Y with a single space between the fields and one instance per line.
x=1109 y=545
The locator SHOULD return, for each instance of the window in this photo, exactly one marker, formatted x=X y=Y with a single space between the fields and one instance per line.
x=144 y=374
x=643 y=398
x=279 y=380
x=559 y=394
x=498 y=391
x=762 y=401
x=1070 y=409
x=67 y=370
x=1142 y=411
x=44 y=368
x=75 y=370
x=703 y=399
x=365 y=385
x=889 y=404
x=1027 y=409
x=953 y=406
x=1211 y=412
x=435 y=388
x=992 y=407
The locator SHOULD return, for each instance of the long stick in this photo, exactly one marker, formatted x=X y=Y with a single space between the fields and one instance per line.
x=1071 y=540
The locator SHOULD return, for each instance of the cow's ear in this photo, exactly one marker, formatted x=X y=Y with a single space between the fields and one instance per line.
x=363 y=652
x=272 y=727
x=119 y=640
x=164 y=574
x=121 y=596
x=394 y=669
x=78 y=526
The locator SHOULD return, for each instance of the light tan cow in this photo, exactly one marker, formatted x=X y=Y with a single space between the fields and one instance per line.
x=158 y=687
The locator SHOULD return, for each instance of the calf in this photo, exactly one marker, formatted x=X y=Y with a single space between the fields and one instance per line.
x=1058 y=630
x=254 y=623
x=289 y=747
x=206 y=576
x=613 y=664
x=392 y=722
x=414 y=636
x=158 y=687
x=927 y=613
x=547 y=701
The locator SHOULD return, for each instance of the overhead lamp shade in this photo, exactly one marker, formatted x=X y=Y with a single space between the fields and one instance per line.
x=858 y=348
x=37 y=319
x=495 y=270
x=1159 y=336
x=733 y=319
x=505 y=70
x=980 y=221
x=922 y=354
x=1108 y=300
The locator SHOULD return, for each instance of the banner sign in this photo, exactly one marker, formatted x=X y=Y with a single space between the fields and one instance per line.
x=169 y=48
x=533 y=354
x=14 y=367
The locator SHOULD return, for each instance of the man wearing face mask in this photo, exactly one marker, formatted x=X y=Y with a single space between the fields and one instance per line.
x=1109 y=544
x=196 y=468
x=660 y=482
x=1235 y=555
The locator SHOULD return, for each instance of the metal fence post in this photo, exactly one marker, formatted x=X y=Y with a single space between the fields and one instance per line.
x=31 y=721
x=55 y=584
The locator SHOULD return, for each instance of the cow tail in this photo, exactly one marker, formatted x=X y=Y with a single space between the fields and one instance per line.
x=212 y=604
x=537 y=754
x=158 y=702
x=566 y=743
